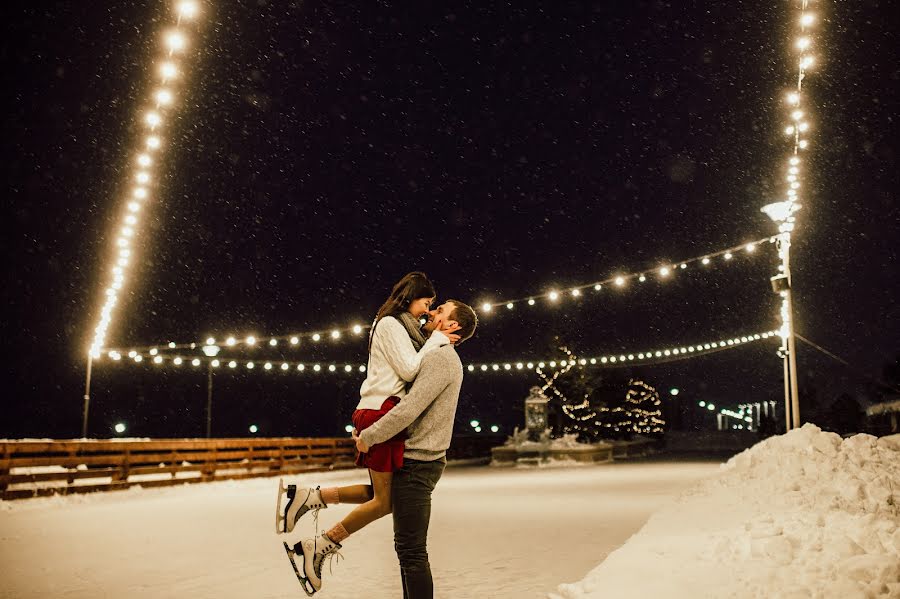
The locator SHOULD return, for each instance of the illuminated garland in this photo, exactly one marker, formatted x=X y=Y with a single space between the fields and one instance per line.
x=662 y=272
x=553 y=296
x=784 y=211
x=162 y=99
x=610 y=361
x=633 y=357
x=251 y=341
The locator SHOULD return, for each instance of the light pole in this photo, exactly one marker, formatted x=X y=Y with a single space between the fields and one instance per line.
x=783 y=214
x=87 y=397
x=211 y=351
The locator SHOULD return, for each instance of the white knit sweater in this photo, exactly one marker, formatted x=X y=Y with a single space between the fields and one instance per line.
x=393 y=362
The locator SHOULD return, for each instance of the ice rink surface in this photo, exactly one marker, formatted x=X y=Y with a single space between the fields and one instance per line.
x=495 y=532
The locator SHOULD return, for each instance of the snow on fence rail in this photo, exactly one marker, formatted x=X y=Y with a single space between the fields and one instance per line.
x=39 y=468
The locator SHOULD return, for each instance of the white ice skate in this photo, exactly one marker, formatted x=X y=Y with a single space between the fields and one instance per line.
x=314 y=552
x=299 y=501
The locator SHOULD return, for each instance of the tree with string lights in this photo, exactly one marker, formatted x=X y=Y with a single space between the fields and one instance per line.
x=596 y=406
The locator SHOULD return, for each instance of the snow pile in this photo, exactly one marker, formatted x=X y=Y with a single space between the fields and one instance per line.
x=801 y=515
x=519 y=440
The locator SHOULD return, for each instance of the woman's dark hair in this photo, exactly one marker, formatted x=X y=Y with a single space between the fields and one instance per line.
x=413 y=286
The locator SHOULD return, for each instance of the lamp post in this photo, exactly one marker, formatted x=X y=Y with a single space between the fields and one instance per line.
x=87 y=397
x=783 y=214
x=211 y=351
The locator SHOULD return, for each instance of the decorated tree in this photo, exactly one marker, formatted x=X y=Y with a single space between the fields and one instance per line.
x=595 y=404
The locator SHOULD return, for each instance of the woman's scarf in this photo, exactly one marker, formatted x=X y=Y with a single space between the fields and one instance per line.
x=413 y=328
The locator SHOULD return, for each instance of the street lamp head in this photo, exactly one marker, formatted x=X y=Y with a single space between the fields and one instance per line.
x=780 y=211
x=211 y=350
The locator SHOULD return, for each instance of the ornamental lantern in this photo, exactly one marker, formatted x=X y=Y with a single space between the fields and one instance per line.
x=536 y=413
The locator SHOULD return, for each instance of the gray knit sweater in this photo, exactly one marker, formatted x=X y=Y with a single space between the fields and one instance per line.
x=428 y=410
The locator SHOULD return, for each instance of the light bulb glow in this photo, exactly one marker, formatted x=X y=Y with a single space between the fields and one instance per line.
x=153 y=119
x=168 y=70
x=175 y=41
x=164 y=97
x=187 y=9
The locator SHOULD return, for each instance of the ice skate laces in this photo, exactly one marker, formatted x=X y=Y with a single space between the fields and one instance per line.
x=314 y=510
x=330 y=554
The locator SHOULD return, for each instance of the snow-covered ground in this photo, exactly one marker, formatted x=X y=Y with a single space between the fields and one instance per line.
x=495 y=532
x=803 y=515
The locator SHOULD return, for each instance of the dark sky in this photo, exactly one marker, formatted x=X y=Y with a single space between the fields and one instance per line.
x=320 y=150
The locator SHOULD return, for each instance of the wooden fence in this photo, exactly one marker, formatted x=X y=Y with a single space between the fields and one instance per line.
x=38 y=468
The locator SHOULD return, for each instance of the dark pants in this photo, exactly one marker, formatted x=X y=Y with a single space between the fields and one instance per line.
x=411 y=502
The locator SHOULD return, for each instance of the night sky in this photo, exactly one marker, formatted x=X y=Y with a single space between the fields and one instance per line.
x=321 y=150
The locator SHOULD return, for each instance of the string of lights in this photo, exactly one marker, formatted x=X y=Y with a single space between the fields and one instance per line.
x=661 y=272
x=610 y=360
x=169 y=71
x=294 y=340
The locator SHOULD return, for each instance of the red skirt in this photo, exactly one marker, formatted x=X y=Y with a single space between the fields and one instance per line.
x=383 y=457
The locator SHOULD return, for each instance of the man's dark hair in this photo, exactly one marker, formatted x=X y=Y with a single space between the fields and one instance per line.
x=465 y=316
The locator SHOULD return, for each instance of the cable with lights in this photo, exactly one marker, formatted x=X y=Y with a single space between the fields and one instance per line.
x=162 y=100
x=662 y=272
x=658 y=356
x=293 y=340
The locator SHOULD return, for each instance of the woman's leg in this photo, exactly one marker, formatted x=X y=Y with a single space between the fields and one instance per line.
x=351 y=493
x=354 y=494
x=378 y=506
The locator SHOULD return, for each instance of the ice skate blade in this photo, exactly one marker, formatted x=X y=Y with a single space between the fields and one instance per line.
x=304 y=582
x=279 y=515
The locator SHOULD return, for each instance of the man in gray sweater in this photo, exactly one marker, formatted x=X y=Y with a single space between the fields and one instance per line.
x=427 y=413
